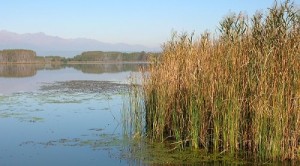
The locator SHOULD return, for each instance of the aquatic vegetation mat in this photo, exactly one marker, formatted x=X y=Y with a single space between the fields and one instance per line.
x=84 y=86
x=104 y=141
x=149 y=153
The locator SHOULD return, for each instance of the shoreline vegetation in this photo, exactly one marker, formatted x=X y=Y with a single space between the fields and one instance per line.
x=22 y=56
x=236 y=93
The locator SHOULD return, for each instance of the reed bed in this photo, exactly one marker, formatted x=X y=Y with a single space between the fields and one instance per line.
x=234 y=93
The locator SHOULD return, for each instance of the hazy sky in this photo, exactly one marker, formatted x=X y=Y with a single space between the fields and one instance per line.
x=130 y=21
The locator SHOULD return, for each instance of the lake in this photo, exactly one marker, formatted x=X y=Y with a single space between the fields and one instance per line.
x=77 y=115
x=63 y=115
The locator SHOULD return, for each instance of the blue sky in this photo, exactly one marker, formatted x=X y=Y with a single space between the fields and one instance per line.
x=145 y=22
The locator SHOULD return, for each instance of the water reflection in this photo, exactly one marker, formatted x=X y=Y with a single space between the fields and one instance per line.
x=21 y=70
x=28 y=70
x=106 y=68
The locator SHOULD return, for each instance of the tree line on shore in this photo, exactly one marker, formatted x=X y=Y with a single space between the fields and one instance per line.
x=29 y=56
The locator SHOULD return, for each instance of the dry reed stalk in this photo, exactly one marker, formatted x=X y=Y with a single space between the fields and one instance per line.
x=236 y=93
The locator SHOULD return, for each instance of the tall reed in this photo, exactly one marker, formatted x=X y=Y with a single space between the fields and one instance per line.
x=231 y=93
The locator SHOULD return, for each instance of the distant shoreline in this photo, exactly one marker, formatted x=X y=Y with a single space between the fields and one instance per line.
x=21 y=56
x=80 y=62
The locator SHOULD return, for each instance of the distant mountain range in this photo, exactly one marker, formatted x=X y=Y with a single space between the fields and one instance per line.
x=46 y=45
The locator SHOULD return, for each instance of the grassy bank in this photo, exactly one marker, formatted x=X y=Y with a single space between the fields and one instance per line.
x=234 y=93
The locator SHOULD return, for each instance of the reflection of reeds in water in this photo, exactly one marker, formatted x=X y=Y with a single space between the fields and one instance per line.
x=20 y=70
x=25 y=70
x=234 y=94
x=107 y=67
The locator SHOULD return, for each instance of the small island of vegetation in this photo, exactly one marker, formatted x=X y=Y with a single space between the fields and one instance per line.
x=17 y=56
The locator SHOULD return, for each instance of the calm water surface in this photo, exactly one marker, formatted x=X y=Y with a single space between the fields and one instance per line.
x=62 y=125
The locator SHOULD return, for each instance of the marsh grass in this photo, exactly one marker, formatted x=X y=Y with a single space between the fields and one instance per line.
x=234 y=93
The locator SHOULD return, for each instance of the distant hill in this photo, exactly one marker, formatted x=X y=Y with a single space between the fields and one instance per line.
x=46 y=45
